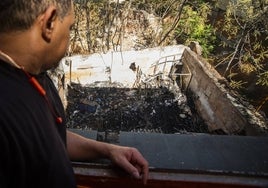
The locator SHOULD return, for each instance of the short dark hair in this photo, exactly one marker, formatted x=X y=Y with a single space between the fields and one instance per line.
x=21 y=14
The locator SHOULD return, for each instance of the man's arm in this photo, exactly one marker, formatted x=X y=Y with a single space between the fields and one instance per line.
x=130 y=159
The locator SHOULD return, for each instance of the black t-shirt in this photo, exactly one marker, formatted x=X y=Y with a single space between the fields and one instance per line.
x=32 y=144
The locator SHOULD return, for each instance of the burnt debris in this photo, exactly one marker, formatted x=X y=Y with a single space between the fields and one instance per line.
x=108 y=107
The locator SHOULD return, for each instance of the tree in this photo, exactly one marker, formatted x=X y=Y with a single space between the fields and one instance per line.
x=244 y=35
x=194 y=26
x=246 y=30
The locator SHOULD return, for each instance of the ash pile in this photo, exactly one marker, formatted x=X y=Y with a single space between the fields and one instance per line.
x=109 y=107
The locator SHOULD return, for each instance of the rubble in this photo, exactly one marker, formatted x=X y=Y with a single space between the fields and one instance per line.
x=109 y=107
x=138 y=94
x=131 y=92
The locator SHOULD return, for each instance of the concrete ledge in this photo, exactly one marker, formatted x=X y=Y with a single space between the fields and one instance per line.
x=191 y=160
x=215 y=102
x=92 y=134
x=228 y=154
x=235 y=155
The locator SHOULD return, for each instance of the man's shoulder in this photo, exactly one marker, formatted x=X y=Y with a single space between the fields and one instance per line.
x=11 y=85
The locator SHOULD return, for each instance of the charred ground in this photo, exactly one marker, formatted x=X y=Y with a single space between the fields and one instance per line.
x=107 y=107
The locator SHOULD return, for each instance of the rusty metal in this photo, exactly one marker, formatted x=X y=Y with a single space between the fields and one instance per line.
x=103 y=175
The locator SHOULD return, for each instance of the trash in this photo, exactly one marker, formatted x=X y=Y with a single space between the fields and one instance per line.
x=87 y=106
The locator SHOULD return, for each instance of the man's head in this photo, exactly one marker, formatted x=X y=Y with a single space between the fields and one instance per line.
x=35 y=33
x=21 y=14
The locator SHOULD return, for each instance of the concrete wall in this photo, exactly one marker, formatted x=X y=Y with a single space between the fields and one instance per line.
x=214 y=102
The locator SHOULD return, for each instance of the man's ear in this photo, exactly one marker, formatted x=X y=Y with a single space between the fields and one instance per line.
x=48 y=22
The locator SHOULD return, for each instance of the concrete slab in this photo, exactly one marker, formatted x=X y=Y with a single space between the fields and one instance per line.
x=238 y=155
x=86 y=133
x=223 y=154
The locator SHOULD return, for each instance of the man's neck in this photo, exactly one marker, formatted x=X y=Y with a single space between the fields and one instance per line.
x=19 y=48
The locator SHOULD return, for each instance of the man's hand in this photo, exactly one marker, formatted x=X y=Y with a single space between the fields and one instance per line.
x=131 y=160
x=128 y=158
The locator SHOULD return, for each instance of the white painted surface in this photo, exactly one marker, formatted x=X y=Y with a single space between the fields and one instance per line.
x=91 y=68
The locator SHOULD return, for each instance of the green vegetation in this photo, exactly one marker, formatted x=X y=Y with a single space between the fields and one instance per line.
x=245 y=25
x=244 y=30
x=194 y=26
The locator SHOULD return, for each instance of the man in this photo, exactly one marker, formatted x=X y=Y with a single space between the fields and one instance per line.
x=35 y=147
